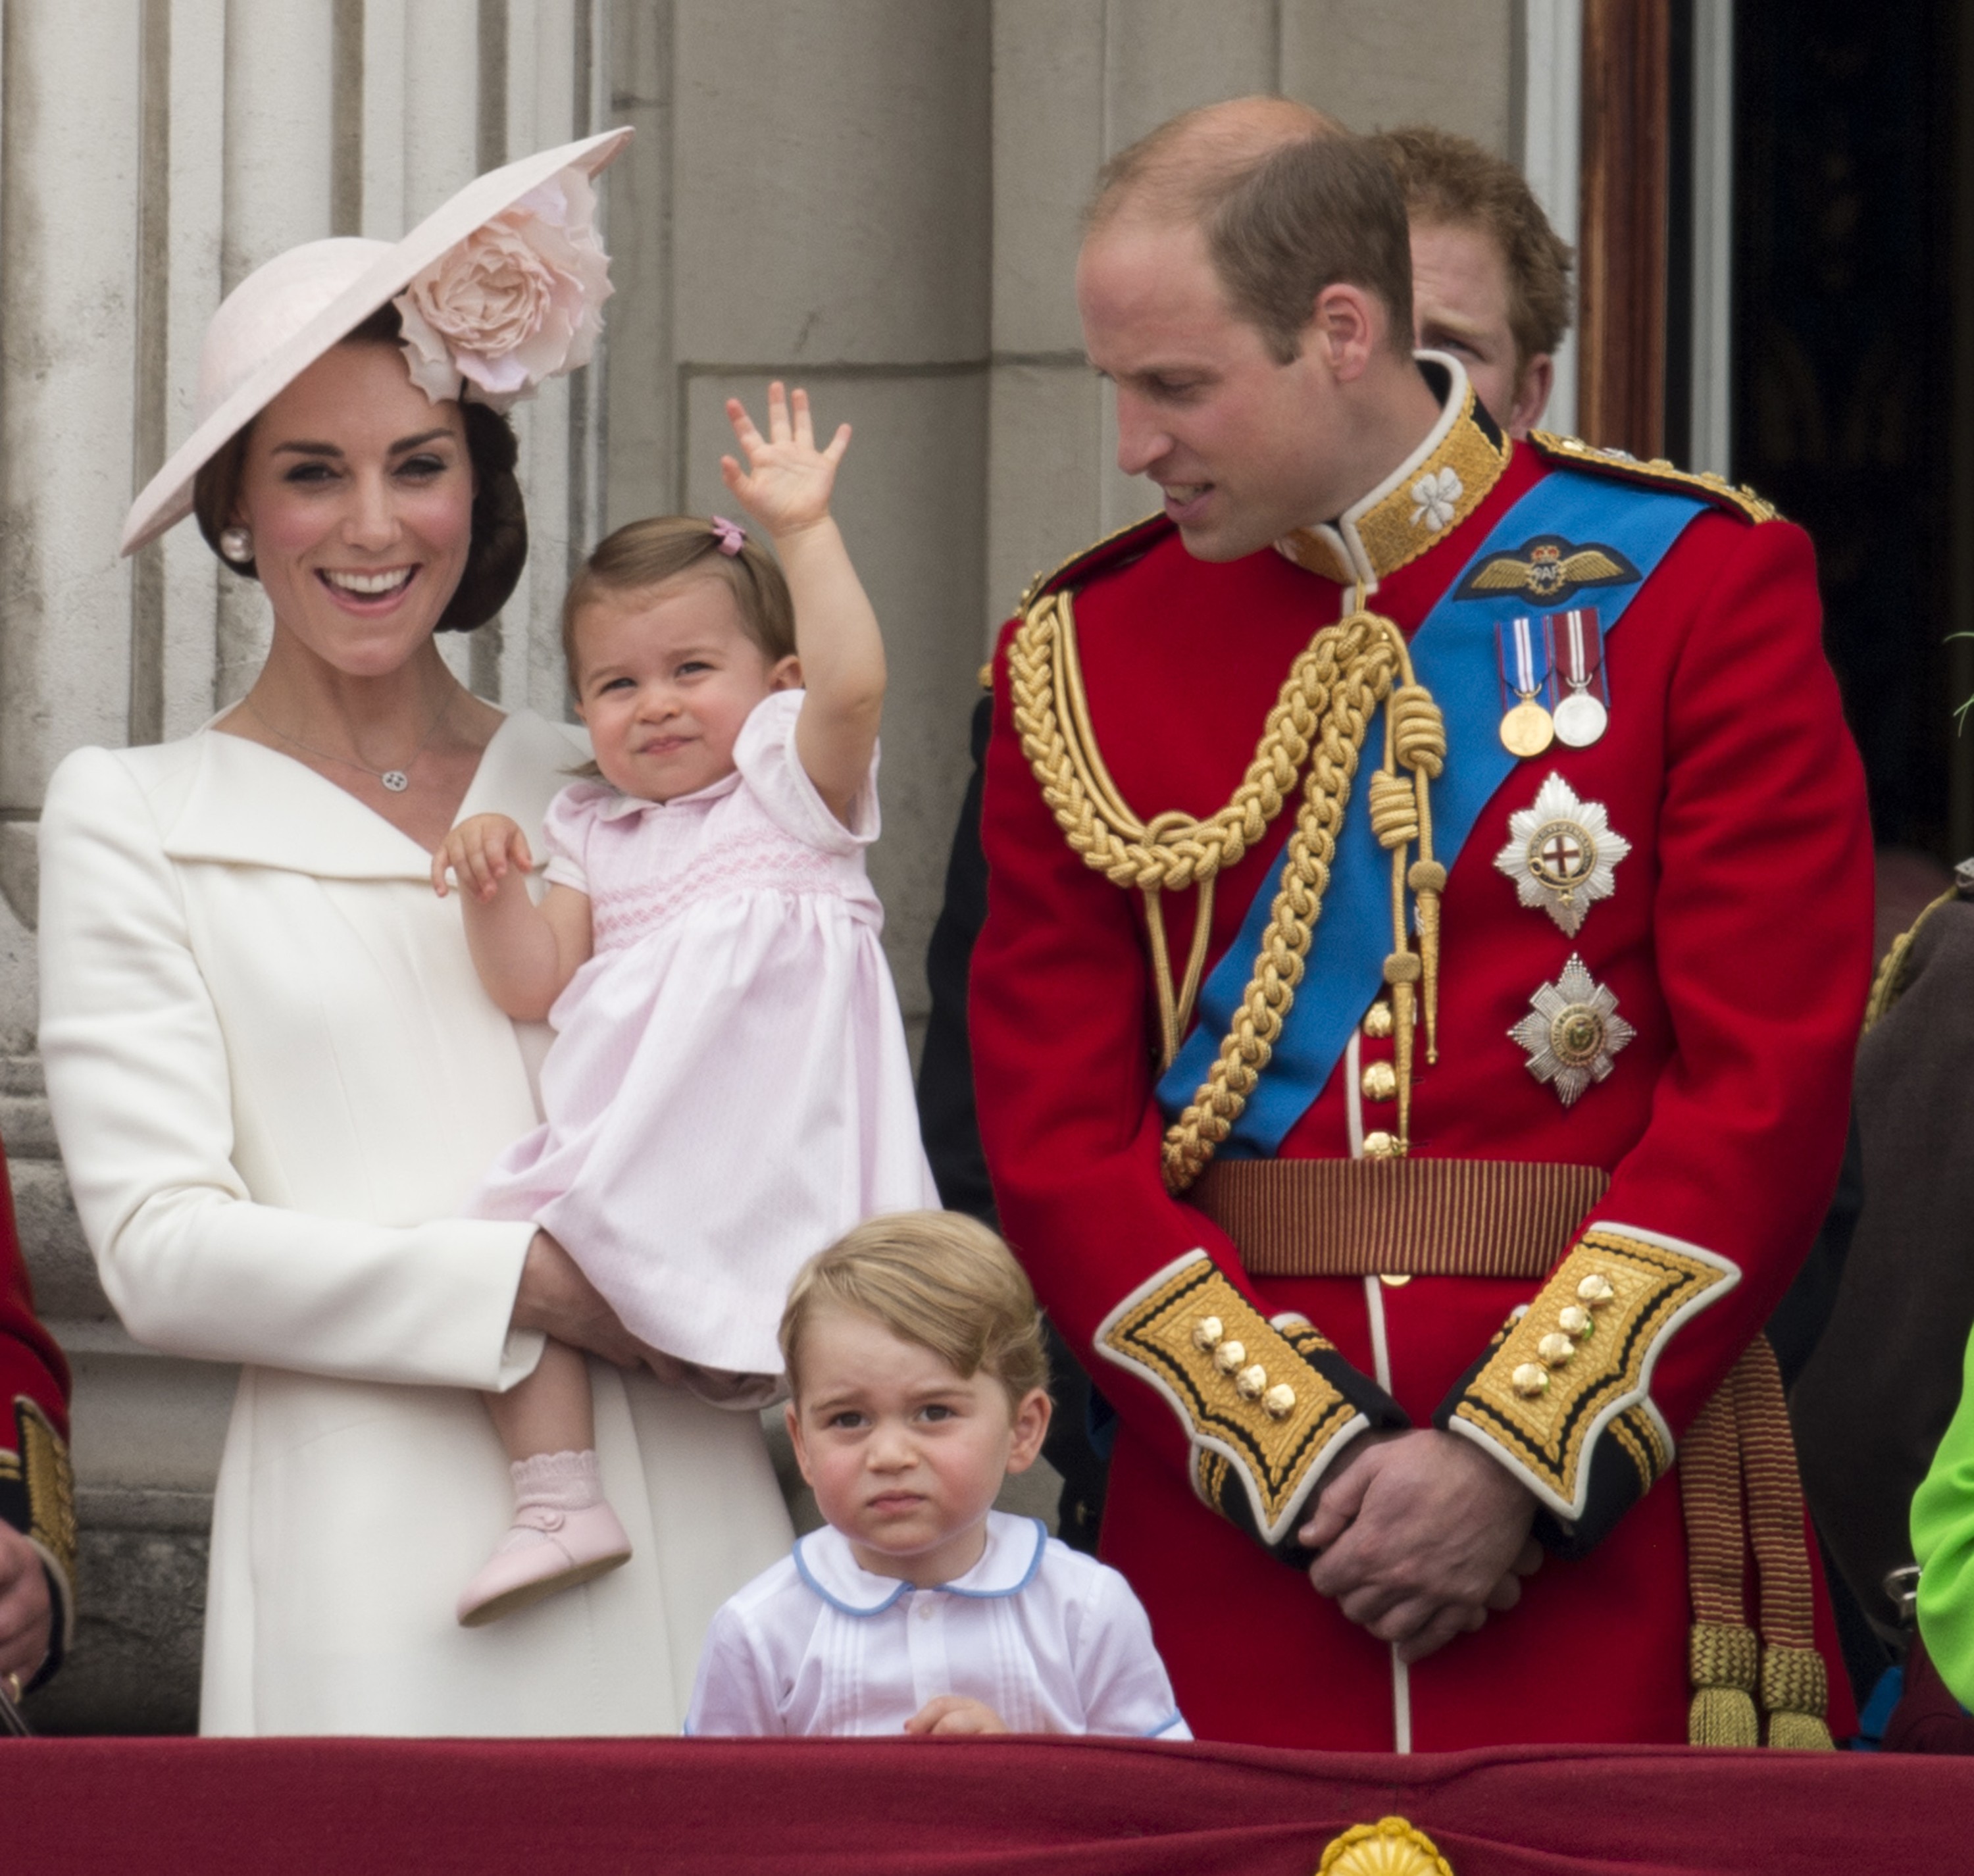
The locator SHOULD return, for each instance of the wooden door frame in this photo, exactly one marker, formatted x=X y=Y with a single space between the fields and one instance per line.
x=1622 y=225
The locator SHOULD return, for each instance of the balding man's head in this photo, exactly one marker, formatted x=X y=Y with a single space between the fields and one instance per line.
x=1289 y=202
x=1176 y=172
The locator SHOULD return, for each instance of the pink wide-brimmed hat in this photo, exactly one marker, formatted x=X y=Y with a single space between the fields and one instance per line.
x=498 y=289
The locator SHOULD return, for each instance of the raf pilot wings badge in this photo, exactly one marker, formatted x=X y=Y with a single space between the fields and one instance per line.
x=1548 y=568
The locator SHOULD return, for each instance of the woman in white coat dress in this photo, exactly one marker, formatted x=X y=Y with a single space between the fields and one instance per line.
x=275 y=1077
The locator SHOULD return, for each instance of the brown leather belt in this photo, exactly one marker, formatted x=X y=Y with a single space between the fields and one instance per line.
x=1412 y=1217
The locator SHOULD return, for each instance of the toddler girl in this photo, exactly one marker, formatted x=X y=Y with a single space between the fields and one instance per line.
x=729 y=1085
x=915 y=1356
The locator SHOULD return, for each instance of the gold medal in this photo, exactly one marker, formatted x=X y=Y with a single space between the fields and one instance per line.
x=1527 y=729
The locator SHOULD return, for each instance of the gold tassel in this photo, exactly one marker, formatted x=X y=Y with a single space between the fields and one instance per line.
x=1800 y=1732
x=1796 y=1692
x=1722 y=1660
x=1721 y=1716
x=1427 y=881
x=1401 y=971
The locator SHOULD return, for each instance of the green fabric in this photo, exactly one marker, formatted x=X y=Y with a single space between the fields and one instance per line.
x=1943 y=1533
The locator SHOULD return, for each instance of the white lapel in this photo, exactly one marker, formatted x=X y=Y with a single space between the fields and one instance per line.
x=248 y=805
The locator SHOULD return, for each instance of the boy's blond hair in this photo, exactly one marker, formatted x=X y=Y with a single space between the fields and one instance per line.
x=937 y=1279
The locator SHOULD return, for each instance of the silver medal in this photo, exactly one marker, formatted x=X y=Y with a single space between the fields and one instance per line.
x=1577 y=653
x=1561 y=854
x=1572 y=1031
x=1580 y=719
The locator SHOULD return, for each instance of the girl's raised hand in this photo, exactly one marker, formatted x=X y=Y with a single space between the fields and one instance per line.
x=786 y=484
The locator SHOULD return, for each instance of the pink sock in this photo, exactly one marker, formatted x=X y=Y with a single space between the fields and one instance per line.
x=570 y=1481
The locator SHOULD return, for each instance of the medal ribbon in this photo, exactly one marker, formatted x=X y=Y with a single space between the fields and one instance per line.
x=1455 y=653
x=1582 y=668
x=1526 y=682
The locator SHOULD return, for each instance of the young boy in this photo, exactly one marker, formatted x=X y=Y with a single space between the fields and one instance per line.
x=914 y=1351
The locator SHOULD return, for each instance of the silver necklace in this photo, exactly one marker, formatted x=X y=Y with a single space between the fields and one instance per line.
x=396 y=780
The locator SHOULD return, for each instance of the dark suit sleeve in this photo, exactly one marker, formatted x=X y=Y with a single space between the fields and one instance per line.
x=947 y=1118
x=1876 y=1396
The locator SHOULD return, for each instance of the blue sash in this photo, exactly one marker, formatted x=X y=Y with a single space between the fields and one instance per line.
x=1454 y=653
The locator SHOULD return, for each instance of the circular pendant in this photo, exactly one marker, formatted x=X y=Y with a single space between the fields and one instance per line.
x=1527 y=729
x=1576 y=1035
x=1560 y=855
x=395 y=780
x=1580 y=719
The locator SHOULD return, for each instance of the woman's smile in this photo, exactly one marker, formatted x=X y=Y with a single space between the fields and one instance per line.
x=368 y=595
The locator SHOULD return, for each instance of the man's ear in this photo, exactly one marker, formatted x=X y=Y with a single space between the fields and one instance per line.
x=1345 y=330
x=1531 y=395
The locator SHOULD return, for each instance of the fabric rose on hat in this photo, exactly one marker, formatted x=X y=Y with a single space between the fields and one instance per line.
x=516 y=302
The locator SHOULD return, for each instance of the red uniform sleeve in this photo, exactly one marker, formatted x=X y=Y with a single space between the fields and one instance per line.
x=1059 y=1006
x=1762 y=927
x=36 y=1493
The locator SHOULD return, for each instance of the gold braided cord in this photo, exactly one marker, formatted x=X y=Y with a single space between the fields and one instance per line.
x=1321 y=717
x=1045 y=681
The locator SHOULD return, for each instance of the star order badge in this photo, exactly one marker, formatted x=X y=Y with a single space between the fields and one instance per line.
x=1561 y=853
x=1573 y=1032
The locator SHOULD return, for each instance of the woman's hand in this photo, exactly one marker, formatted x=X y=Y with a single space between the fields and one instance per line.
x=556 y=1298
x=787 y=483
x=480 y=851
x=27 y=1612
x=952 y=1714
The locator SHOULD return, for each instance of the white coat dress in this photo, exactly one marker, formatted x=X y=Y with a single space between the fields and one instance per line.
x=275 y=1081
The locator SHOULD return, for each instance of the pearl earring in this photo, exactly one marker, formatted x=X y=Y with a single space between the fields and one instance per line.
x=237 y=545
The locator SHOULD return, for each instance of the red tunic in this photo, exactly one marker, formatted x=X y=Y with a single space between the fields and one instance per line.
x=35 y=1495
x=1737 y=942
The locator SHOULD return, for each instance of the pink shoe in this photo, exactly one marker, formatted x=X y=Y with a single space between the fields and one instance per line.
x=546 y=1549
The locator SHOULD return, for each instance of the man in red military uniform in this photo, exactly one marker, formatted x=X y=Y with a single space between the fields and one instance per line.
x=37 y=1516
x=1415 y=1213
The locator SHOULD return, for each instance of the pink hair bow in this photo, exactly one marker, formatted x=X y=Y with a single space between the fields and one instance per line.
x=731 y=535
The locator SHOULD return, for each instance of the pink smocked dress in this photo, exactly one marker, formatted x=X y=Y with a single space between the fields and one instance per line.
x=729 y=1089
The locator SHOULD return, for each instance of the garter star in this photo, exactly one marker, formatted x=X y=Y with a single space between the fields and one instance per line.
x=1560 y=854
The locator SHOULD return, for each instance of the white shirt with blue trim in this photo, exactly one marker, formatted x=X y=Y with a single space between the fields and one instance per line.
x=1052 y=1641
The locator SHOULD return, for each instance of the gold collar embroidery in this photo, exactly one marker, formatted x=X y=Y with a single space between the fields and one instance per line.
x=1430 y=493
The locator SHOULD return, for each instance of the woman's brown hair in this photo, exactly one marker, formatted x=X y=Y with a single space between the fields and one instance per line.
x=499 y=548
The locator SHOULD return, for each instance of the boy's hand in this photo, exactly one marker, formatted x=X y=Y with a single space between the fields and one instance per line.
x=952 y=1714
x=787 y=483
x=480 y=851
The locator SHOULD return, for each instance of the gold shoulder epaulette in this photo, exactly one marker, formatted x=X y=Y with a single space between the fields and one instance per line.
x=1574 y=453
x=1126 y=542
